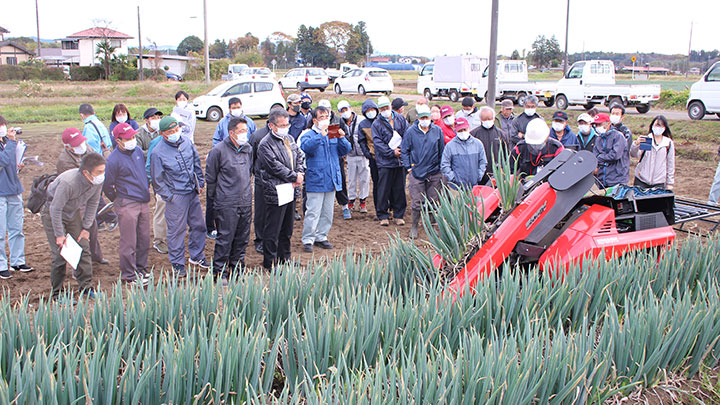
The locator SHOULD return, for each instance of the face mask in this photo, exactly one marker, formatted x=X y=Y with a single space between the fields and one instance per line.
x=463 y=135
x=614 y=119
x=488 y=124
x=236 y=112
x=558 y=126
x=424 y=123
x=182 y=104
x=174 y=137
x=530 y=111
x=305 y=105
x=585 y=129
x=130 y=144
x=346 y=115
x=323 y=124
x=658 y=130
x=537 y=148
x=98 y=180
x=296 y=108
x=121 y=118
x=371 y=114
x=80 y=149
x=155 y=125
x=600 y=130
x=387 y=114
x=283 y=131
x=241 y=138
x=449 y=120
x=467 y=112
x=435 y=116
x=3 y=131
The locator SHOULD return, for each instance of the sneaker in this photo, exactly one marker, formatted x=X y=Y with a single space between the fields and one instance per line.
x=90 y=293
x=101 y=261
x=351 y=204
x=346 y=213
x=324 y=244
x=161 y=247
x=23 y=268
x=101 y=227
x=384 y=222
x=203 y=263
x=179 y=270
x=5 y=274
x=307 y=247
x=363 y=207
x=139 y=282
x=112 y=226
x=212 y=234
x=259 y=249
x=105 y=209
x=298 y=217
x=399 y=221
x=143 y=275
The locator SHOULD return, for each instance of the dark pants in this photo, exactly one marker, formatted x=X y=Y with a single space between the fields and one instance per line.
x=83 y=273
x=391 y=192
x=108 y=217
x=210 y=220
x=429 y=187
x=232 y=238
x=342 y=196
x=134 y=244
x=96 y=253
x=642 y=184
x=183 y=211
x=375 y=179
x=259 y=220
x=277 y=233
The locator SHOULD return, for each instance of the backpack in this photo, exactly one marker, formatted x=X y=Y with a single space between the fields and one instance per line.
x=38 y=192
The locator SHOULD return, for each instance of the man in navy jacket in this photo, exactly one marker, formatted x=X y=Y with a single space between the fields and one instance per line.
x=391 y=173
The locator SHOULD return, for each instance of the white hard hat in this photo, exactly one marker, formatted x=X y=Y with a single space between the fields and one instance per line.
x=585 y=117
x=343 y=104
x=536 y=132
x=325 y=103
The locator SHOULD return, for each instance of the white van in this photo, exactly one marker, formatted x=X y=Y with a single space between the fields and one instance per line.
x=512 y=83
x=450 y=76
x=705 y=94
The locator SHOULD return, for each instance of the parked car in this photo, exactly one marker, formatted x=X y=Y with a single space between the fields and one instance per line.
x=173 y=76
x=705 y=94
x=451 y=76
x=512 y=83
x=258 y=97
x=364 y=80
x=344 y=68
x=234 y=71
x=257 y=72
x=305 y=78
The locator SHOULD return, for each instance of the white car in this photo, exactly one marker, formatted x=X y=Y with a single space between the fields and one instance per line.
x=364 y=80
x=305 y=78
x=705 y=94
x=257 y=72
x=258 y=96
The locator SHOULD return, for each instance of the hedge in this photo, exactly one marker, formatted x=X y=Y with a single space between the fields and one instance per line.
x=15 y=72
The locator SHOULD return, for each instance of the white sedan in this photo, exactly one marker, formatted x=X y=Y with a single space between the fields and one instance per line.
x=364 y=80
x=257 y=96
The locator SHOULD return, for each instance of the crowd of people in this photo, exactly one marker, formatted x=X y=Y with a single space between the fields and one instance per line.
x=316 y=156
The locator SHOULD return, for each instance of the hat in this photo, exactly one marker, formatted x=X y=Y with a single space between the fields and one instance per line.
x=398 y=102
x=167 y=123
x=343 y=104
x=536 y=132
x=304 y=96
x=468 y=102
x=124 y=131
x=461 y=123
x=383 y=102
x=293 y=98
x=507 y=103
x=601 y=117
x=585 y=117
x=422 y=110
x=72 y=137
x=560 y=116
x=151 y=111
x=445 y=111
x=325 y=103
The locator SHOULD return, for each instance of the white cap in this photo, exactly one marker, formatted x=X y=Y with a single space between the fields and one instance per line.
x=422 y=110
x=343 y=104
x=325 y=103
x=383 y=102
x=585 y=117
x=536 y=132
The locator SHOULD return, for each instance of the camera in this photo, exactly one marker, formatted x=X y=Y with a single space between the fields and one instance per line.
x=18 y=131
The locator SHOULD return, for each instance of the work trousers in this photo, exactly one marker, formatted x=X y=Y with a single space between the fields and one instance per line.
x=358 y=172
x=318 y=217
x=233 y=234
x=277 y=233
x=259 y=219
x=183 y=212
x=134 y=242
x=83 y=274
x=342 y=195
x=159 y=224
x=391 y=192
x=429 y=187
x=11 y=223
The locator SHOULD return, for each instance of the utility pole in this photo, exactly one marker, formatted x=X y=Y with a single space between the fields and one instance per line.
x=141 y=73
x=207 y=48
x=567 y=30
x=367 y=53
x=492 y=69
x=687 y=68
x=37 y=21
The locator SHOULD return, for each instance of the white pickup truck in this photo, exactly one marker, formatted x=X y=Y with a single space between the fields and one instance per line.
x=705 y=94
x=590 y=83
x=450 y=76
x=235 y=71
x=512 y=83
x=344 y=68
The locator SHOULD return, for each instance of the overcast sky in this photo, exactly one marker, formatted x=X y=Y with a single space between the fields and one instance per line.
x=404 y=27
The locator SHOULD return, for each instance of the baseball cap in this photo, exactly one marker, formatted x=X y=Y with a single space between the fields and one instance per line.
x=560 y=115
x=468 y=102
x=293 y=98
x=151 y=111
x=507 y=103
x=461 y=123
x=585 y=117
x=602 y=117
x=325 y=103
x=73 y=137
x=398 y=102
x=124 y=131
x=167 y=123
x=422 y=110
x=383 y=102
x=343 y=104
x=305 y=96
x=445 y=111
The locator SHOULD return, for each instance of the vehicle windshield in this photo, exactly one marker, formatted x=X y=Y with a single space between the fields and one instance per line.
x=316 y=72
x=378 y=73
x=218 y=90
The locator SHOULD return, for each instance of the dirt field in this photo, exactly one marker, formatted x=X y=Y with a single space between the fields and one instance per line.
x=694 y=179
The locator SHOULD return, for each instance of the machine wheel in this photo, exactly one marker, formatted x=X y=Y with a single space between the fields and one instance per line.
x=427 y=94
x=549 y=102
x=338 y=90
x=642 y=108
x=214 y=114
x=561 y=102
x=454 y=96
x=696 y=110
x=520 y=98
x=361 y=90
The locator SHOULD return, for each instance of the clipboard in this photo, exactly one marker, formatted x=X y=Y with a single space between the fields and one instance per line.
x=334 y=131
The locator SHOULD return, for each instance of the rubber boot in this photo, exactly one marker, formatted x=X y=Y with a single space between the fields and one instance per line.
x=414 y=225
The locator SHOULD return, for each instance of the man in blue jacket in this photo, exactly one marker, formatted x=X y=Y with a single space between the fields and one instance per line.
x=611 y=152
x=370 y=112
x=298 y=122
x=178 y=178
x=126 y=184
x=464 y=161
x=561 y=131
x=422 y=150
x=323 y=179
x=387 y=131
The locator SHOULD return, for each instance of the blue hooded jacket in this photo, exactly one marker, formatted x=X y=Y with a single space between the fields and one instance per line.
x=464 y=162
x=323 y=173
x=382 y=133
x=421 y=151
x=9 y=181
x=613 y=158
x=175 y=168
x=569 y=138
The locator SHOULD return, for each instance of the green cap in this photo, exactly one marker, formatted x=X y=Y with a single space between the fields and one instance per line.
x=168 y=122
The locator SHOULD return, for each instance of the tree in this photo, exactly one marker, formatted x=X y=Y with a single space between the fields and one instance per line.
x=358 y=44
x=190 y=44
x=243 y=44
x=336 y=34
x=312 y=47
x=104 y=51
x=515 y=55
x=544 y=51
x=218 y=49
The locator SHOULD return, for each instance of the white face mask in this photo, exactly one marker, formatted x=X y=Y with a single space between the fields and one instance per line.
x=449 y=120
x=614 y=119
x=155 y=124
x=425 y=123
x=371 y=114
x=467 y=112
x=463 y=135
x=600 y=130
x=584 y=129
x=537 y=148
x=242 y=137
x=323 y=124
x=182 y=104
x=387 y=114
x=80 y=149
x=558 y=126
x=130 y=144
x=346 y=115
x=283 y=131
x=236 y=112
x=530 y=111
x=3 y=131
x=658 y=130
x=488 y=124
x=121 y=118
x=98 y=180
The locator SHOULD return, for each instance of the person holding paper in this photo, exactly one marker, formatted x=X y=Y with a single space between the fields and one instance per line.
x=281 y=163
x=387 y=132
x=70 y=210
x=11 y=204
x=185 y=114
x=178 y=179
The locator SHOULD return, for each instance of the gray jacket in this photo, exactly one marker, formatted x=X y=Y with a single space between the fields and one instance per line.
x=519 y=125
x=69 y=193
x=227 y=174
x=656 y=166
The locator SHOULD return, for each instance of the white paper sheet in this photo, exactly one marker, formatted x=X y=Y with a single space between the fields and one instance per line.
x=71 y=251
x=285 y=193
x=395 y=141
x=20 y=151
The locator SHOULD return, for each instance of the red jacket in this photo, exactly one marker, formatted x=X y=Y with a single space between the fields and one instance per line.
x=448 y=132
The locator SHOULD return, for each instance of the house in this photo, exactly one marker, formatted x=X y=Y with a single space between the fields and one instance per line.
x=175 y=63
x=3 y=31
x=81 y=47
x=12 y=53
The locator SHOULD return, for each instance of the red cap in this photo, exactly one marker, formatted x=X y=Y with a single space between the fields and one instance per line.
x=602 y=117
x=461 y=123
x=445 y=111
x=124 y=131
x=73 y=137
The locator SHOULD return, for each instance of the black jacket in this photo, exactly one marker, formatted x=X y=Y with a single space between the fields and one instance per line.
x=529 y=161
x=492 y=139
x=274 y=164
x=520 y=125
x=227 y=174
x=254 y=141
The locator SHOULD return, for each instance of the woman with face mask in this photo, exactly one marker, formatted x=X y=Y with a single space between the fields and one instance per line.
x=119 y=115
x=184 y=113
x=656 y=154
x=447 y=123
